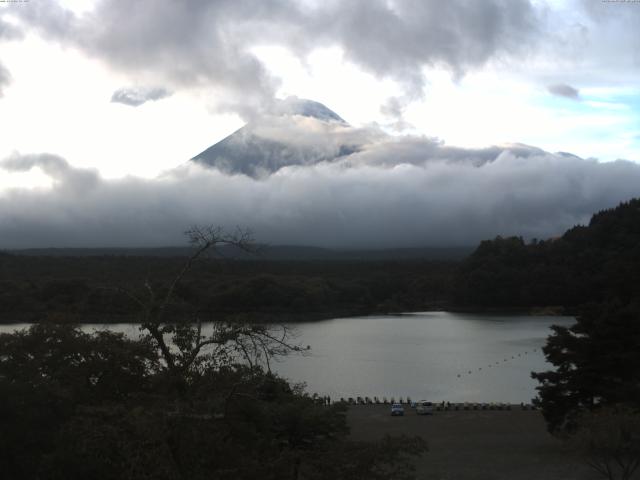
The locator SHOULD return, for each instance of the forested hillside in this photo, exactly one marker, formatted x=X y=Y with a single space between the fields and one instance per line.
x=96 y=289
x=586 y=264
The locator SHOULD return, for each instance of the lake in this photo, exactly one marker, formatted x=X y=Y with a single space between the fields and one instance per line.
x=456 y=357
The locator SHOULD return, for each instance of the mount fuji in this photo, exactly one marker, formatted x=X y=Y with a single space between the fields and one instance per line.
x=298 y=132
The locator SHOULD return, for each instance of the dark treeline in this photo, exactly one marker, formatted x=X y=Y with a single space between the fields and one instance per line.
x=81 y=289
x=593 y=263
x=264 y=252
x=587 y=263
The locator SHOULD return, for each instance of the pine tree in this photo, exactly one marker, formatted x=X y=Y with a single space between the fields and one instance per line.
x=597 y=363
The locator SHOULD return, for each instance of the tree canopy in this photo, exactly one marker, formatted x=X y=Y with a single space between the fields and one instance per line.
x=593 y=263
x=597 y=363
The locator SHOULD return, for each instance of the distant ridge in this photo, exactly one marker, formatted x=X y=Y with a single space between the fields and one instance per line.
x=270 y=253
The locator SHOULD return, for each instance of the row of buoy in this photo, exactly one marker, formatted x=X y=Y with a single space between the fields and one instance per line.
x=482 y=406
x=375 y=400
x=497 y=363
x=441 y=406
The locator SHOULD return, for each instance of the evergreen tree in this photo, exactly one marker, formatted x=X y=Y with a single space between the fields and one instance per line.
x=597 y=364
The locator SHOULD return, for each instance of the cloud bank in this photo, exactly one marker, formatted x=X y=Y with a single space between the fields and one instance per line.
x=394 y=193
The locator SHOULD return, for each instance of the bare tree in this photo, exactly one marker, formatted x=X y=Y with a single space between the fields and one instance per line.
x=183 y=344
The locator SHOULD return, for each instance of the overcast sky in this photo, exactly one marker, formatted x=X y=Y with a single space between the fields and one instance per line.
x=458 y=109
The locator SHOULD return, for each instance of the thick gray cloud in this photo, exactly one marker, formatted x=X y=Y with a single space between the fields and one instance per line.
x=394 y=193
x=136 y=96
x=564 y=90
x=208 y=44
x=399 y=38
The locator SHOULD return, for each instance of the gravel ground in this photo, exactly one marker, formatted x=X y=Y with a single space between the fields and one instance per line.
x=479 y=445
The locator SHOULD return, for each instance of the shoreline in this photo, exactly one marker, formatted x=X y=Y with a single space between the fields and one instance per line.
x=289 y=317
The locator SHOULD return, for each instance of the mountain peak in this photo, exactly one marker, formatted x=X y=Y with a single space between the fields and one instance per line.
x=307 y=108
x=277 y=140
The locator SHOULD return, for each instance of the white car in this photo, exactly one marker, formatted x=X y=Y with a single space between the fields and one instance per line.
x=424 y=408
x=397 y=409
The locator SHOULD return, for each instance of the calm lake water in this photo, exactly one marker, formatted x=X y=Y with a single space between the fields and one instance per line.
x=435 y=355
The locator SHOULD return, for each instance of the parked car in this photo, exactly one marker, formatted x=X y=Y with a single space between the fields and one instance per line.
x=397 y=409
x=424 y=408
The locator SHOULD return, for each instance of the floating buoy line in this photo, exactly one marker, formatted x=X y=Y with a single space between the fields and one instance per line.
x=445 y=406
x=497 y=363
